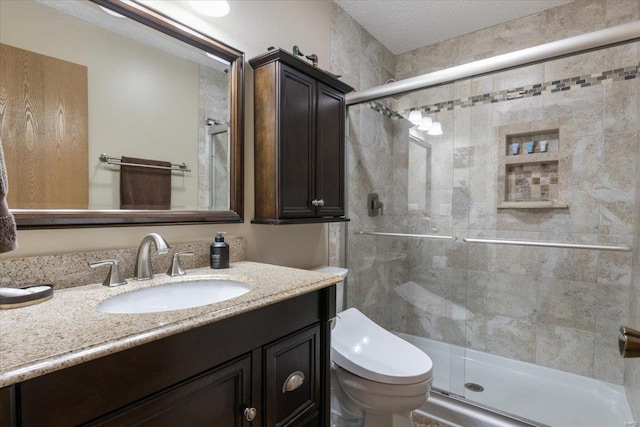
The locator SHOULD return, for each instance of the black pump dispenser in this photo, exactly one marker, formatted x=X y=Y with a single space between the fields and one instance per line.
x=219 y=252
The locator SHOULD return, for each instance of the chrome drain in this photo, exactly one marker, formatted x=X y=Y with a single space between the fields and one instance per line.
x=474 y=387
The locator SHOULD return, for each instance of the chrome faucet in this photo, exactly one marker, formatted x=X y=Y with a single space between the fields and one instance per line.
x=143 y=270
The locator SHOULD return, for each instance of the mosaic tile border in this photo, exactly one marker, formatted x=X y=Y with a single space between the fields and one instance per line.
x=595 y=79
x=384 y=110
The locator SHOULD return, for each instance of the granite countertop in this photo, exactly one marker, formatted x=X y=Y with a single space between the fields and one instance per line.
x=68 y=330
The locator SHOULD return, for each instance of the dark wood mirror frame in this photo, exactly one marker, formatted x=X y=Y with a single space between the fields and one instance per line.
x=39 y=219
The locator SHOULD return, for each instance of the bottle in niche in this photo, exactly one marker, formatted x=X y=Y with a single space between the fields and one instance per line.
x=219 y=252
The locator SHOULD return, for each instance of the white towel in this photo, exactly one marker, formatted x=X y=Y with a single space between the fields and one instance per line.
x=8 y=234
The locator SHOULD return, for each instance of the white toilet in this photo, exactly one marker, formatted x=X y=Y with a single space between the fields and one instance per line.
x=377 y=378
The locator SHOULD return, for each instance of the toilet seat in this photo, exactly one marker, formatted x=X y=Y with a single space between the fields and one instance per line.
x=363 y=348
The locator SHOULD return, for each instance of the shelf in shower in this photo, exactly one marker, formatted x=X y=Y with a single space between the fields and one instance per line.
x=521 y=159
x=534 y=204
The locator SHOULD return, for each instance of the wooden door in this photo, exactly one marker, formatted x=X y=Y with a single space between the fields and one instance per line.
x=44 y=130
x=8 y=407
x=296 y=157
x=216 y=398
x=297 y=355
x=330 y=155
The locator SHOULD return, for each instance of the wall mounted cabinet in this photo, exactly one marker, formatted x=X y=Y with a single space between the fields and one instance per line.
x=299 y=141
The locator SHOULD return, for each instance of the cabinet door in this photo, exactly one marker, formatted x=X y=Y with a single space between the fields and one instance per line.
x=296 y=156
x=214 y=398
x=7 y=407
x=292 y=375
x=330 y=155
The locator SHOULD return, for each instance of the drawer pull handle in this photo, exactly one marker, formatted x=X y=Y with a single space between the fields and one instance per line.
x=293 y=381
x=250 y=414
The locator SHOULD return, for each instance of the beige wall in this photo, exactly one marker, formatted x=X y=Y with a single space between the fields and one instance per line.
x=252 y=26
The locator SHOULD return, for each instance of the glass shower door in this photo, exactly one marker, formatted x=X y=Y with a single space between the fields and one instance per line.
x=412 y=281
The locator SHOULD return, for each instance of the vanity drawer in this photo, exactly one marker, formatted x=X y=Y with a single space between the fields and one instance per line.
x=292 y=379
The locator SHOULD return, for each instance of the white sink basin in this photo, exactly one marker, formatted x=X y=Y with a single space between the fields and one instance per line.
x=173 y=297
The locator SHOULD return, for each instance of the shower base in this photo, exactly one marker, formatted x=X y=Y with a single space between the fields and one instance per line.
x=532 y=395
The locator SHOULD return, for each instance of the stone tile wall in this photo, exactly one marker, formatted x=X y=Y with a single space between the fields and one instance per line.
x=632 y=366
x=558 y=308
x=363 y=62
x=572 y=19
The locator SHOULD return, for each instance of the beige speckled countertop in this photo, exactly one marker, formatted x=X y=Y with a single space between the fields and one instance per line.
x=68 y=330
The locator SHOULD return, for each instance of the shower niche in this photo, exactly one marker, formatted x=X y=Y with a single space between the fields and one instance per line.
x=531 y=176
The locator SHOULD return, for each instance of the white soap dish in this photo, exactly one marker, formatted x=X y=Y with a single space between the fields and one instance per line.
x=24 y=296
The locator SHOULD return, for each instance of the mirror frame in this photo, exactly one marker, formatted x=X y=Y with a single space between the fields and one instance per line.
x=67 y=218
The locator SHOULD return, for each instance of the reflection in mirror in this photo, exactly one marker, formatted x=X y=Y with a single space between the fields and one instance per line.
x=219 y=164
x=78 y=83
x=419 y=169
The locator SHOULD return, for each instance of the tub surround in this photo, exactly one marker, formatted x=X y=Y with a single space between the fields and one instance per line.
x=68 y=330
x=70 y=270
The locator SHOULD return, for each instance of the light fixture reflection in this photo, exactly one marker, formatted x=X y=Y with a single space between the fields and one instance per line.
x=425 y=124
x=415 y=117
x=215 y=8
x=436 y=129
x=111 y=12
x=220 y=60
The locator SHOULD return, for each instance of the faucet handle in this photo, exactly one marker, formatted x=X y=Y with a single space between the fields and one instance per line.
x=176 y=268
x=114 y=277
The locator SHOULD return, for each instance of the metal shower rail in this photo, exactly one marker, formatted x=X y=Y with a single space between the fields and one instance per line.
x=417 y=236
x=117 y=161
x=550 y=244
x=556 y=49
x=503 y=241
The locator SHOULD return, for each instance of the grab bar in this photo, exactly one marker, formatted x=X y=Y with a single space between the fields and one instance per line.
x=550 y=244
x=417 y=236
x=116 y=161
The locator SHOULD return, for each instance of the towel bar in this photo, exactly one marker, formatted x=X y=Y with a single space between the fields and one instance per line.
x=116 y=161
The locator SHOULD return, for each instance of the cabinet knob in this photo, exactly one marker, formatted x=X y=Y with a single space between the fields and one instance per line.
x=250 y=413
x=293 y=381
x=318 y=202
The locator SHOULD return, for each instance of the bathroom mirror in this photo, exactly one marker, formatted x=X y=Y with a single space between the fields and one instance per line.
x=140 y=85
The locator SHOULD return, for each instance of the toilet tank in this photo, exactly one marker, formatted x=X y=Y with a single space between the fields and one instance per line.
x=336 y=271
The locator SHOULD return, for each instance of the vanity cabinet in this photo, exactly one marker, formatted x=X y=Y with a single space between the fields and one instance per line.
x=8 y=407
x=299 y=141
x=234 y=372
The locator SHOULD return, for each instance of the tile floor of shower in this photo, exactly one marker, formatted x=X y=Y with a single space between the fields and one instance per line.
x=542 y=395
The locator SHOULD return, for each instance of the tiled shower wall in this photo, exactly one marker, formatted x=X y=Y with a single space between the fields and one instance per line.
x=632 y=366
x=372 y=162
x=554 y=307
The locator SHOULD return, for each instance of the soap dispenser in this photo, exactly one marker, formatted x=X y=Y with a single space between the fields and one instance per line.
x=219 y=252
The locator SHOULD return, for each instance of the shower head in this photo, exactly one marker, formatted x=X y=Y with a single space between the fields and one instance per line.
x=398 y=96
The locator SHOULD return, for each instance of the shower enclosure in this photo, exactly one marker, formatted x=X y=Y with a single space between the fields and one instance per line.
x=524 y=329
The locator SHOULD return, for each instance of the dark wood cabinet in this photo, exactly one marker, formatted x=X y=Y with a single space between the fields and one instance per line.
x=8 y=407
x=214 y=398
x=299 y=141
x=292 y=368
x=213 y=375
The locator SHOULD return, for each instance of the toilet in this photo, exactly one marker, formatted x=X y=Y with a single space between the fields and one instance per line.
x=377 y=378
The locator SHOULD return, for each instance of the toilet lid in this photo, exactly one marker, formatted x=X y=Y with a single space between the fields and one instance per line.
x=365 y=349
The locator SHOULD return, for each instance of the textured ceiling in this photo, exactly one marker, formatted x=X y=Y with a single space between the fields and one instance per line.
x=404 y=25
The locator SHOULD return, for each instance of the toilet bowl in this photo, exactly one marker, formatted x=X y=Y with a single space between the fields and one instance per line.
x=377 y=378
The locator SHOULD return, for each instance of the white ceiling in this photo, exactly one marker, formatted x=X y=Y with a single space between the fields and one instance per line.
x=404 y=25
